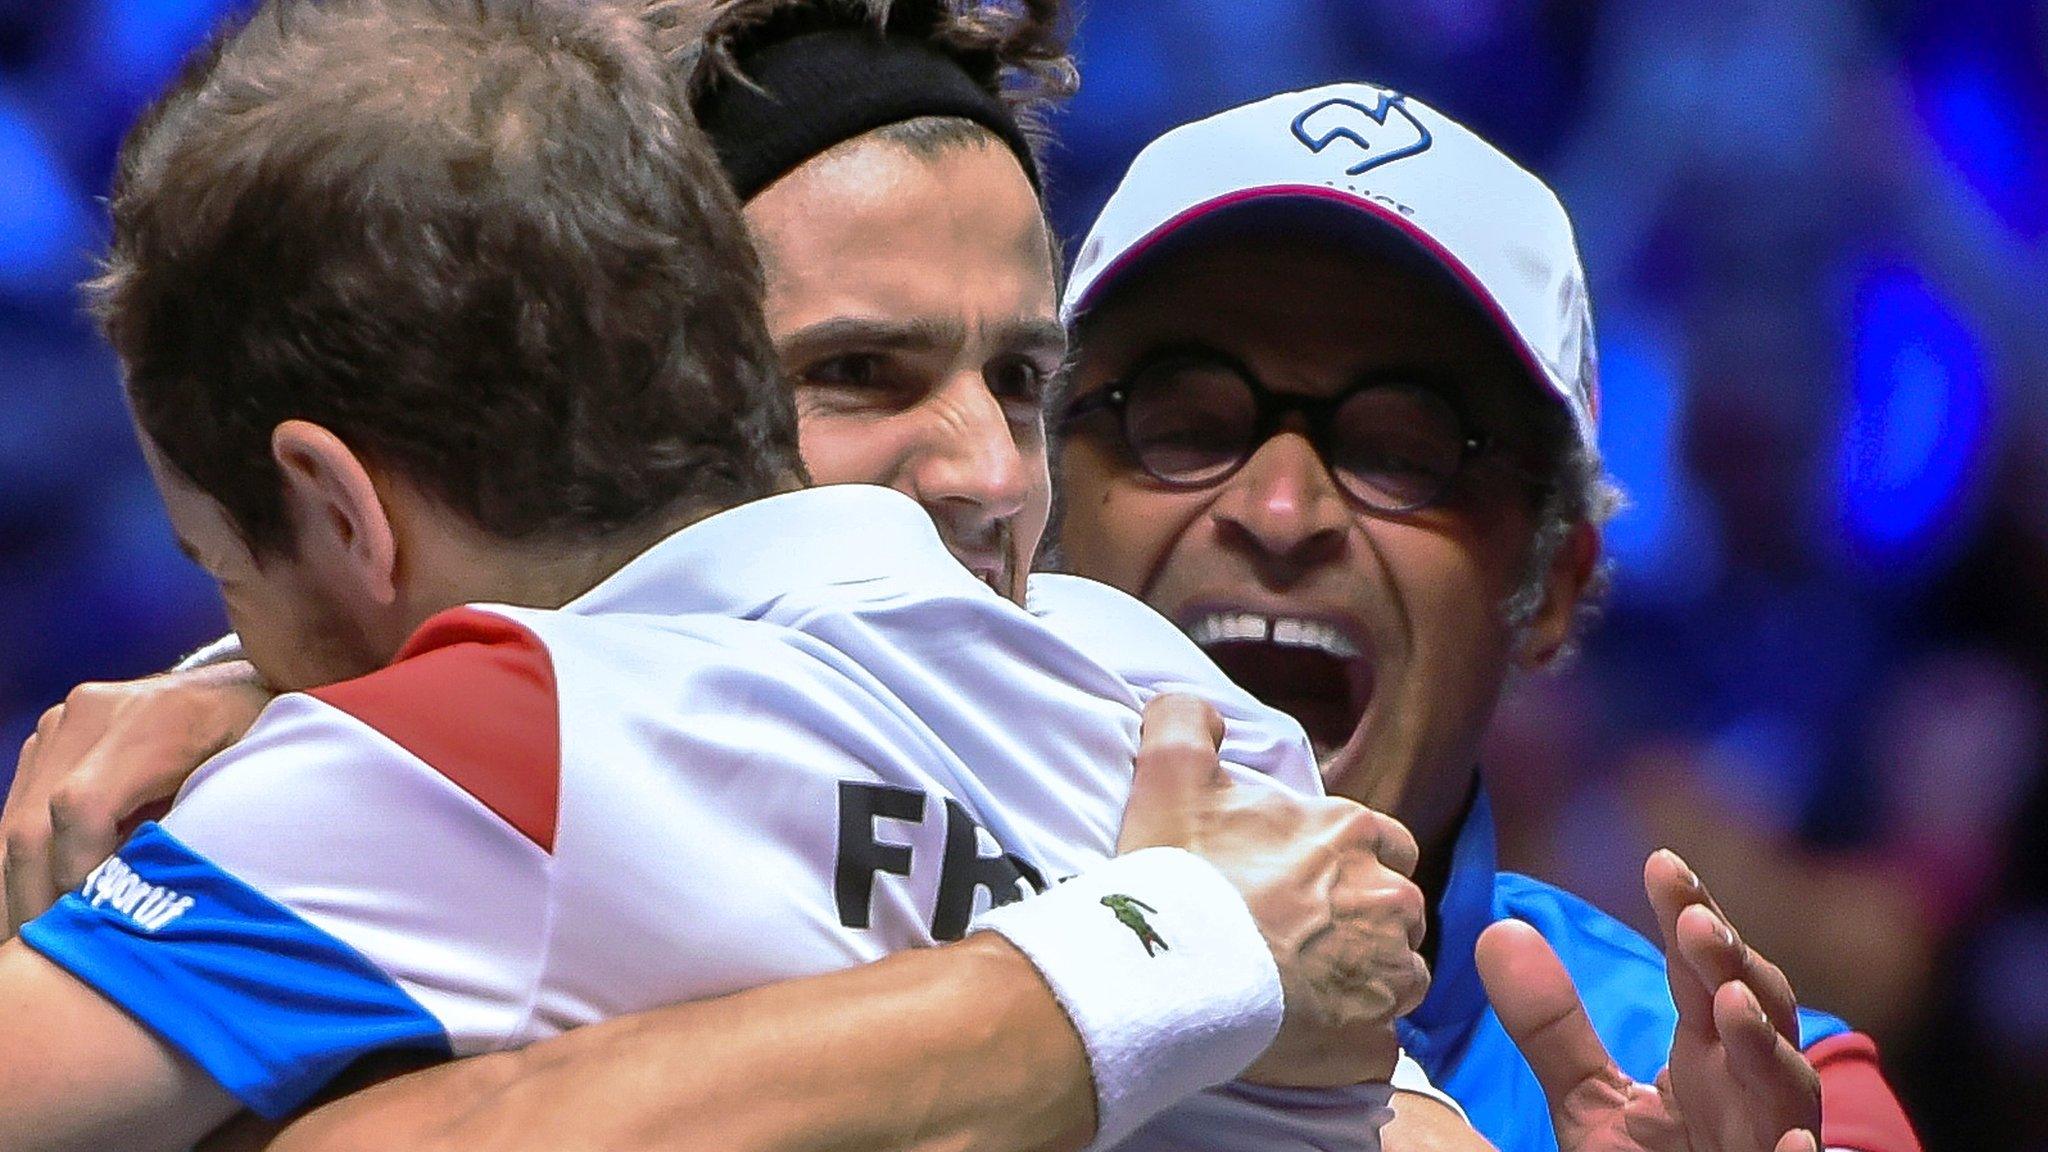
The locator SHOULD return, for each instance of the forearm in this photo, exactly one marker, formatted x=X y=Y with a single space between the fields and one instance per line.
x=78 y=1073
x=1012 y=1039
x=961 y=1047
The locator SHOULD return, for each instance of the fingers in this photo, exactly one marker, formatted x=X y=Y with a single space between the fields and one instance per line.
x=1703 y=951
x=1714 y=955
x=1778 y=1085
x=1731 y=999
x=83 y=799
x=7 y=921
x=84 y=830
x=1540 y=1008
x=1773 y=991
x=27 y=878
x=103 y=754
x=29 y=887
x=1672 y=888
x=1394 y=844
x=1671 y=885
x=1368 y=953
x=1798 y=1140
x=48 y=824
x=1177 y=762
x=1651 y=1119
x=1343 y=925
x=1178 y=741
x=1378 y=917
x=24 y=832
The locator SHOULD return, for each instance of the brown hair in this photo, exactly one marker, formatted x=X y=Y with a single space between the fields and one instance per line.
x=482 y=243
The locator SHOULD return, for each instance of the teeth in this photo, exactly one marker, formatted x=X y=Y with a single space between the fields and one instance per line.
x=1286 y=631
x=1313 y=634
x=1221 y=626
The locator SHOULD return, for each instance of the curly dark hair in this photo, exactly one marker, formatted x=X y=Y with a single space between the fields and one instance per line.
x=483 y=244
x=1017 y=50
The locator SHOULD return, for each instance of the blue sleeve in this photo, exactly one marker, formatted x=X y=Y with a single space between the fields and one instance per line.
x=267 y=1004
x=1816 y=1026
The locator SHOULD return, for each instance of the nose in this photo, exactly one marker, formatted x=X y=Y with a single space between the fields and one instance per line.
x=1284 y=508
x=970 y=473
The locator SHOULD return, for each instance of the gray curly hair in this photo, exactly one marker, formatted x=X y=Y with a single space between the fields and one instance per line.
x=1580 y=492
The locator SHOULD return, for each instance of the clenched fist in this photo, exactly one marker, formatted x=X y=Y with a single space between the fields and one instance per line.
x=1326 y=880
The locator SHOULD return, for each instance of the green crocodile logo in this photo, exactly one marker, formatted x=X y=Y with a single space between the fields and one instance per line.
x=1128 y=914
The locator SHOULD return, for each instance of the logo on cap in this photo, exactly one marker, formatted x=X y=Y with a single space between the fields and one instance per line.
x=1398 y=131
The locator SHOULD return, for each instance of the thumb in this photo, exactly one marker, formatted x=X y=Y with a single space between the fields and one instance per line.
x=1798 y=1140
x=1540 y=1008
x=1177 y=763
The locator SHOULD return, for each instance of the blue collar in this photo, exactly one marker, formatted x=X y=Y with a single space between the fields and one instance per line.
x=1456 y=998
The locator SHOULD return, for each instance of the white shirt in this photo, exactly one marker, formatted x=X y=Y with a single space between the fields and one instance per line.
x=791 y=738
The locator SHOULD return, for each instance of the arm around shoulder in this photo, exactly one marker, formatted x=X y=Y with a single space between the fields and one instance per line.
x=960 y=1046
x=981 y=1044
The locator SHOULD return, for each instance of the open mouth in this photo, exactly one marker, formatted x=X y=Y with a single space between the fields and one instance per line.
x=1312 y=669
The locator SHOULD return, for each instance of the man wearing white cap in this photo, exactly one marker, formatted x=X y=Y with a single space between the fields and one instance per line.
x=1334 y=413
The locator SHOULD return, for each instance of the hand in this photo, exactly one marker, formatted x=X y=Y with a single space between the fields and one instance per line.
x=103 y=757
x=1327 y=883
x=1736 y=1081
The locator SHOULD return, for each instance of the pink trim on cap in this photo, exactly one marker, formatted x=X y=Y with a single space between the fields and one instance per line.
x=1429 y=244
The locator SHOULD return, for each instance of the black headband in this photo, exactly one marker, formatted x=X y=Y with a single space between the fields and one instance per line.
x=821 y=88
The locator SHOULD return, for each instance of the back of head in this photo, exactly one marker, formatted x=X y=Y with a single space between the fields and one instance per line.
x=481 y=241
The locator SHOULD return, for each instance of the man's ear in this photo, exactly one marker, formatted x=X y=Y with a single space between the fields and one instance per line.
x=338 y=515
x=1564 y=587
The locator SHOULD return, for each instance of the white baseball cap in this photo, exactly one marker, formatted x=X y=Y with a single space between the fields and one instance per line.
x=1363 y=160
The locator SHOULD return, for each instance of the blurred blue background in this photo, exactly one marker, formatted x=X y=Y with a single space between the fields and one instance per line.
x=1818 y=237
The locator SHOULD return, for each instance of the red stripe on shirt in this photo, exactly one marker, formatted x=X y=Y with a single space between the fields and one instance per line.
x=472 y=695
x=1857 y=1108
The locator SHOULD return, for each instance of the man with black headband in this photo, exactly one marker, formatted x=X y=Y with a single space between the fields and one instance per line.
x=891 y=187
x=1004 y=357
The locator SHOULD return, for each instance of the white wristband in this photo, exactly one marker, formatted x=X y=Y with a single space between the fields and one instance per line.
x=228 y=647
x=1157 y=961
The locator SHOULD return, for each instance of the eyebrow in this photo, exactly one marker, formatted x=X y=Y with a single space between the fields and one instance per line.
x=925 y=334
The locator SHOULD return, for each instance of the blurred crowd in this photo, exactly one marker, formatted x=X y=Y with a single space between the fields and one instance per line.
x=1818 y=237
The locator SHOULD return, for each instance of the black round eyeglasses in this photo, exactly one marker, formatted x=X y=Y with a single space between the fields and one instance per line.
x=1192 y=417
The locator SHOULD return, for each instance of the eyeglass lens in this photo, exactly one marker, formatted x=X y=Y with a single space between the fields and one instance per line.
x=1393 y=446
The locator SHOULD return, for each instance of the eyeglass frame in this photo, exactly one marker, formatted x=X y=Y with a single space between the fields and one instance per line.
x=1271 y=409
